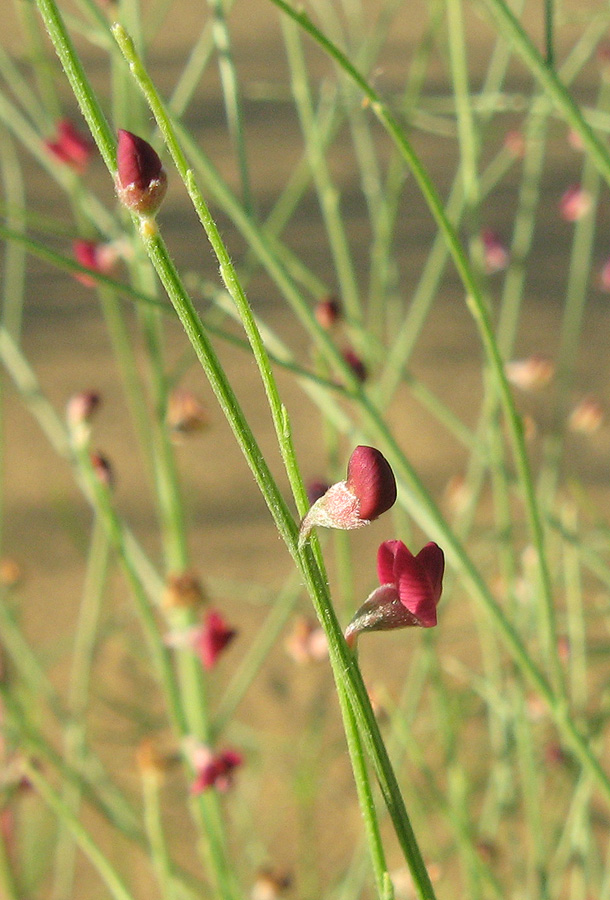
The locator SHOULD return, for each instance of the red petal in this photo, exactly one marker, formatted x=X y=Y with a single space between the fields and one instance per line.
x=432 y=560
x=386 y=556
x=370 y=477
x=415 y=588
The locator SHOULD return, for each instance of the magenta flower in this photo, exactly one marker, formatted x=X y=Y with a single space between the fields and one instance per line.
x=215 y=769
x=212 y=638
x=368 y=491
x=95 y=256
x=141 y=181
x=410 y=588
x=70 y=147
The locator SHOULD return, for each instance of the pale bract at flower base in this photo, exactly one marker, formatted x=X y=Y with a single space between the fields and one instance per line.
x=410 y=589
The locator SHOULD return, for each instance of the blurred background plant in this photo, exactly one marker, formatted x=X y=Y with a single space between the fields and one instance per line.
x=408 y=204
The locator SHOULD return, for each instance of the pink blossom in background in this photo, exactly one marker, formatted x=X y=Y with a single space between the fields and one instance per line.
x=212 y=769
x=98 y=257
x=70 y=146
x=575 y=203
x=575 y=140
x=495 y=254
x=212 y=638
x=514 y=141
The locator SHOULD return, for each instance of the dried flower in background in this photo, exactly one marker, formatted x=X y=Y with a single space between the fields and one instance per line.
x=327 y=312
x=587 y=416
x=306 y=642
x=152 y=761
x=532 y=373
x=604 y=276
x=183 y=590
x=80 y=409
x=186 y=414
x=11 y=572
x=575 y=140
x=269 y=884
x=404 y=888
x=458 y=494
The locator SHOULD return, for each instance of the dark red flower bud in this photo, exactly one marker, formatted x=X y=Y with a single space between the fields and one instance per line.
x=370 y=477
x=141 y=181
x=356 y=365
x=368 y=491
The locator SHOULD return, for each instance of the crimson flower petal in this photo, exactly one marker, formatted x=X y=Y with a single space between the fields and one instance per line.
x=432 y=560
x=386 y=557
x=414 y=587
x=370 y=477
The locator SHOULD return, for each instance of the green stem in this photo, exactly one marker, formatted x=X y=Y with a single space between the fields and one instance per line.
x=87 y=844
x=159 y=850
x=232 y=100
x=365 y=794
x=80 y=678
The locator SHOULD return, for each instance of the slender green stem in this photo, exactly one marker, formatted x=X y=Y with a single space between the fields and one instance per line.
x=328 y=194
x=549 y=28
x=365 y=794
x=111 y=878
x=13 y=274
x=80 y=679
x=159 y=850
x=232 y=99
x=245 y=438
